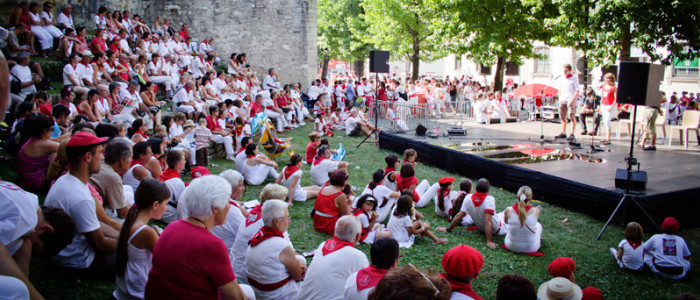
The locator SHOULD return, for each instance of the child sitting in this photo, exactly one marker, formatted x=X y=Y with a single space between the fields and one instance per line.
x=666 y=253
x=202 y=136
x=630 y=255
x=337 y=120
x=403 y=229
x=371 y=229
x=242 y=129
x=409 y=156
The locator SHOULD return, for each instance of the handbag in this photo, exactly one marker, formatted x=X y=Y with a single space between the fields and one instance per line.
x=15 y=85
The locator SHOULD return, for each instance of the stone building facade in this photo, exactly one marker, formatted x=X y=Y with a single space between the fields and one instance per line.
x=274 y=33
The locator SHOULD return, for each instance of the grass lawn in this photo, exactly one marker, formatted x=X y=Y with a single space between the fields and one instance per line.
x=566 y=233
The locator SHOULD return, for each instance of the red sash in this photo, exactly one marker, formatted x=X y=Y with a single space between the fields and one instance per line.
x=334 y=244
x=169 y=174
x=263 y=234
x=254 y=215
x=268 y=286
x=289 y=170
x=369 y=277
x=461 y=287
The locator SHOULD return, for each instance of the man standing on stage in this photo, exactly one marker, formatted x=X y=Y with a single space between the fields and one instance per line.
x=568 y=94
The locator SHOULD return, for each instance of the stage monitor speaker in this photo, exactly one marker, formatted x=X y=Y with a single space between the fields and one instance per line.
x=512 y=69
x=379 y=61
x=606 y=70
x=420 y=130
x=485 y=70
x=638 y=180
x=639 y=83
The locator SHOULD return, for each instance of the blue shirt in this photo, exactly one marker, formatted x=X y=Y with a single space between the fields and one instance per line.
x=350 y=92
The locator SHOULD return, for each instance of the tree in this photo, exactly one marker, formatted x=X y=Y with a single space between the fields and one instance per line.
x=404 y=27
x=494 y=31
x=610 y=28
x=341 y=31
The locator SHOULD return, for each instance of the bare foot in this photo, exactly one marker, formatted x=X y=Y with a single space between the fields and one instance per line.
x=440 y=241
x=441 y=229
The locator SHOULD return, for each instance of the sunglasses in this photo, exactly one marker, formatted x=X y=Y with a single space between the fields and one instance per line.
x=437 y=291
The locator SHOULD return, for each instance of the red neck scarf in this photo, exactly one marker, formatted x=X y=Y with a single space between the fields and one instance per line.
x=479 y=198
x=169 y=174
x=410 y=162
x=249 y=156
x=143 y=134
x=388 y=170
x=239 y=129
x=515 y=207
x=335 y=244
x=369 y=277
x=318 y=160
x=254 y=215
x=136 y=162
x=461 y=287
x=444 y=192
x=263 y=234
x=240 y=150
x=569 y=76
x=635 y=244
x=289 y=170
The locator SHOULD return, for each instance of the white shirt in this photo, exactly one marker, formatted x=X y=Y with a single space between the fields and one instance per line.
x=397 y=227
x=73 y=196
x=68 y=69
x=351 y=292
x=350 y=124
x=567 y=88
x=227 y=231
x=269 y=83
x=319 y=172
x=197 y=66
x=478 y=213
x=183 y=96
x=314 y=91
x=632 y=258
x=18 y=215
x=24 y=73
x=264 y=266
x=326 y=276
x=381 y=192
x=668 y=250
x=65 y=20
x=86 y=72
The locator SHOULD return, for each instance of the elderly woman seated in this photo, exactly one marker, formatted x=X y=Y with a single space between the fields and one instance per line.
x=201 y=270
x=272 y=264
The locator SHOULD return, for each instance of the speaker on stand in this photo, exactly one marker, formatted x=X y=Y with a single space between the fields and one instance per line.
x=378 y=63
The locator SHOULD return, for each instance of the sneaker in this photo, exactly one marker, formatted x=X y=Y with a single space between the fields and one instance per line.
x=583 y=132
x=650 y=148
x=571 y=137
x=230 y=157
x=302 y=123
x=613 y=252
x=561 y=136
x=294 y=125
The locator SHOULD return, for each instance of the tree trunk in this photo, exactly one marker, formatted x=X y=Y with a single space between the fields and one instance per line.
x=498 y=77
x=324 y=68
x=415 y=58
x=626 y=43
x=359 y=68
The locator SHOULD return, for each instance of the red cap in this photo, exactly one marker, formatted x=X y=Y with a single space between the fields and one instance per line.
x=670 y=225
x=445 y=180
x=116 y=38
x=81 y=139
x=562 y=267
x=591 y=293
x=46 y=109
x=462 y=261
x=199 y=171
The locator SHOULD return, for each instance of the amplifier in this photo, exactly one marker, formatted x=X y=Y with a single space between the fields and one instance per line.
x=638 y=180
x=456 y=131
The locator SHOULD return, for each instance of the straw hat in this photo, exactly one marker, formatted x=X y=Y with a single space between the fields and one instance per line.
x=559 y=288
x=188 y=123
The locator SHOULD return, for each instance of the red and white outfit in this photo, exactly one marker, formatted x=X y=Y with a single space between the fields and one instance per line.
x=278 y=118
x=477 y=205
x=266 y=274
x=333 y=263
x=360 y=284
x=525 y=238
x=632 y=255
x=288 y=175
x=327 y=213
x=172 y=179
x=666 y=254
x=423 y=192
x=256 y=175
x=227 y=232
x=449 y=197
x=384 y=202
x=397 y=227
x=607 y=100
x=320 y=168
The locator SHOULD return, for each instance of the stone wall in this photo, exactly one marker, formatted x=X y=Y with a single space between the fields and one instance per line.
x=274 y=33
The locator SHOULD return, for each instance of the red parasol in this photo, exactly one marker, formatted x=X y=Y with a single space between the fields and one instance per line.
x=530 y=90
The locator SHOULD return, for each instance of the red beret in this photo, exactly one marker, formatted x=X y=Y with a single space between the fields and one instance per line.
x=462 y=261
x=562 y=267
x=445 y=180
x=591 y=293
x=46 y=109
x=85 y=139
x=199 y=171
x=670 y=225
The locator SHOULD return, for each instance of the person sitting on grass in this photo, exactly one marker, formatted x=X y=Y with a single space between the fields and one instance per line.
x=137 y=239
x=630 y=253
x=240 y=154
x=312 y=146
x=445 y=198
x=323 y=164
x=334 y=261
x=403 y=229
x=422 y=193
x=172 y=179
x=384 y=255
x=408 y=282
x=562 y=267
x=409 y=156
x=364 y=211
x=385 y=197
x=236 y=216
x=390 y=173
x=481 y=207
x=666 y=253
x=515 y=287
x=524 y=233
x=141 y=156
x=36 y=153
x=291 y=178
x=354 y=125
x=462 y=264
x=258 y=167
x=331 y=203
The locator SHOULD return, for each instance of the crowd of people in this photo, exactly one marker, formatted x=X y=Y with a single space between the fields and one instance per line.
x=114 y=162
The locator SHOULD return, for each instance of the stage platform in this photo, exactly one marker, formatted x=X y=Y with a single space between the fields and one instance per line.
x=511 y=155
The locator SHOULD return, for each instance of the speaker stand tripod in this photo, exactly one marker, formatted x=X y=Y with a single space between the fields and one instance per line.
x=631 y=162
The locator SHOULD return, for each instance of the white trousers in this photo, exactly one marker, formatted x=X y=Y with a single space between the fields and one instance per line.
x=426 y=192
x=45 y=38
x=280 y=122
x=13 y=288
x=53 y=31
x=165 y=80
x=226 y=140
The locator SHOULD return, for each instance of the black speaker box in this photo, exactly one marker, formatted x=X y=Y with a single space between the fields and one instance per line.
x=638 y=180
x=420 y=130
x=379 y=61
x=639 y=83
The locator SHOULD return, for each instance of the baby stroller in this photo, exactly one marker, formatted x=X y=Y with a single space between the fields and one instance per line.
x=270 y=143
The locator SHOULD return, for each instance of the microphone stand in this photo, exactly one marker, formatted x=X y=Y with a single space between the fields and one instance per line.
x=542 y=140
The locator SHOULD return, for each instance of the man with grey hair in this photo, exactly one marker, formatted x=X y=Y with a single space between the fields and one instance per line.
x=23 y=73
x=64 y=19
x=334 y=261
x=117 y=197
x=236 y=215
x=273 y=267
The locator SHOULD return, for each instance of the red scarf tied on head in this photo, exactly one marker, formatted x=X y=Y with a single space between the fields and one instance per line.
x=318 y=160
x=263 y=234
x=369 y=277
x=335 y=244
x=479 y=198
x=289 y=171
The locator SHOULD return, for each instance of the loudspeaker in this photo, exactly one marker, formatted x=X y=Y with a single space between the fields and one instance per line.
x=512 y=69
x=485 y=70
x=638 y=180
x=606 y=70
x=420 y=130
x=639 y=83
x=379 y=61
